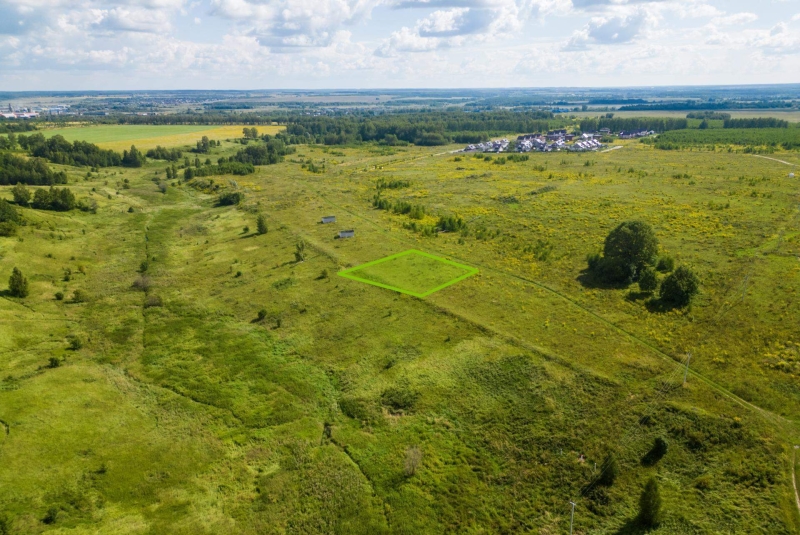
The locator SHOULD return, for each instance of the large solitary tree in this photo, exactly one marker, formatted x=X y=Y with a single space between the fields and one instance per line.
x=629 y=250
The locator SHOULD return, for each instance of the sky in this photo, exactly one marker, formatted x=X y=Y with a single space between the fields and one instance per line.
x=332 y=44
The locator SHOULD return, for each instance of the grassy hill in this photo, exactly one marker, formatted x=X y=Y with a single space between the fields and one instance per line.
x=221 y=386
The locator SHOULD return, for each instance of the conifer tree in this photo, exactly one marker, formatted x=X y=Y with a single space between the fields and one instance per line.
x=261 y=224
x=18 y=284
x=650 y=504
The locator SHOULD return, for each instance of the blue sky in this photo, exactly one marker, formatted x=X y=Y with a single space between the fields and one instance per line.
x=265 y=44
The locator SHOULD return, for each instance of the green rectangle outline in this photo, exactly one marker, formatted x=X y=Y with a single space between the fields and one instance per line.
x=347 y=273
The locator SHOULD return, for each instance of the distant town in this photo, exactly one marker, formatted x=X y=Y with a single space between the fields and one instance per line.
x=554 y=140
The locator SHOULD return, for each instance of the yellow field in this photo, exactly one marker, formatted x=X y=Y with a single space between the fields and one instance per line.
x=120 y=137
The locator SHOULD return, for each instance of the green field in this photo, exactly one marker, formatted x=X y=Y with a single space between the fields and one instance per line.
x=246 y=392
x=120 y=137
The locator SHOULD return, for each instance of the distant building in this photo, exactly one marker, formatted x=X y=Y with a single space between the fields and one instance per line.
x=347 y=233
x=328 y=219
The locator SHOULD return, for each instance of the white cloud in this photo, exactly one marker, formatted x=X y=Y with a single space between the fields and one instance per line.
x=735 y=19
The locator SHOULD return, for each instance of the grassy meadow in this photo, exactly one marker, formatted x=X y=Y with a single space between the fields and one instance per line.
x=245 y=392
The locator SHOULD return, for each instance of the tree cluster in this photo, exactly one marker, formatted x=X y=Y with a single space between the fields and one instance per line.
x=205 y=145
x=133 y=158
x=58 y=150
x=630 y=255
x=619 y=124
x=57 y=199
x=224 y=168
x=269 y=153
x=161 y=153
x=33 y=171
x=756 y=122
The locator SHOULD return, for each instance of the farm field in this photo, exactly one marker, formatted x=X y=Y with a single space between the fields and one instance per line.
x=121 y=137
x=248 y=392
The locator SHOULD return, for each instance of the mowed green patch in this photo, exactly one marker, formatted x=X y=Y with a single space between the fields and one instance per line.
x=411 y=272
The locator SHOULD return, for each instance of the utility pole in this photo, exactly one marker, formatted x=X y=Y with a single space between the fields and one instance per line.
x=571 y=517
x=686 y=371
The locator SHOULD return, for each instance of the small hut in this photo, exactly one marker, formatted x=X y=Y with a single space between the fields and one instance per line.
x=347 y=233
x=328 y=219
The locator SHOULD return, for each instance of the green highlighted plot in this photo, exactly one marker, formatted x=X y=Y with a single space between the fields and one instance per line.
x=411 y=272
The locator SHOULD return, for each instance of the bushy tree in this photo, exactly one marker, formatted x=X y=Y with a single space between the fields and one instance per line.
x=665 y=264
x=629 y=249
x=679 y=287
x=22 y=195
x=648 y=280
x=650 y=513
x=633 y=243
x=261 y=224
x=18 y=284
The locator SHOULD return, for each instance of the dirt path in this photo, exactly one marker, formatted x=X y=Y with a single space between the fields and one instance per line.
x=775 y=160
x=794 y=478
x=612 y=148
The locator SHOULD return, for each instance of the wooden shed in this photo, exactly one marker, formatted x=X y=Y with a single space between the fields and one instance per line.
x=347 y=233
x=328 y=219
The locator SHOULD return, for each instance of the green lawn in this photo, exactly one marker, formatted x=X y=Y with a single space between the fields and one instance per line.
x=266 y=395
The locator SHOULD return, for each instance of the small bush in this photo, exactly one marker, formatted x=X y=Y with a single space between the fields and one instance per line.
x=80 y=296
x=648 y=280
x=74 y=342
x=51 y=516
x=400 y=398
x=262 y=314
x=679 y=287
x=665 y=264
x=610 y=471
x=53 y=362
x=230 y=198
x=153 y=301
x=412 y=461
x=59 y=296
x=143 y=283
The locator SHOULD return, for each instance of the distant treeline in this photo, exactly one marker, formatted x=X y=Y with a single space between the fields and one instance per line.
x=421 y=128
x=8 y=128
x=760 y=122
x=701 y=105
x=619 y=124
x=786 y=138
x=32 y=171
x=617 y=101
x=710 y=115
x=58 y=150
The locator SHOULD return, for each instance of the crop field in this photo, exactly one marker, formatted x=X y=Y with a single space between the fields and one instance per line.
x=121 y=137
x=236 y=389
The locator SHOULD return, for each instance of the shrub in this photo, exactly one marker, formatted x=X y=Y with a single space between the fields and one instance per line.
x=399 y=398
x=75 y=342
x=7 y=228
x=659 y=449
x=143 y=283
x=679 y=287
x=610 y=471
x=80 y=296
x=153 y=301
x=230 y=198
x=650 y=505
x=261 y=224
x=648 y=280
x=8 y=214
x=51 y=516
x=59 y=296
x=53 y=362
x=262 y=314
x=18 y=284
x=665 y=264
x=412 y=461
